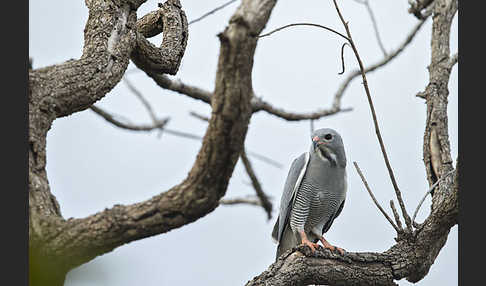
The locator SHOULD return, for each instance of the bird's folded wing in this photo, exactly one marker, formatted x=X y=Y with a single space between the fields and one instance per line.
x=294 y=178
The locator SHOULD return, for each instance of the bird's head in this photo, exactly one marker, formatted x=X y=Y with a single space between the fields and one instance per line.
x=328 y=145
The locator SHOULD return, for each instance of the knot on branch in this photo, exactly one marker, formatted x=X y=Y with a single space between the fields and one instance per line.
x=170 y=20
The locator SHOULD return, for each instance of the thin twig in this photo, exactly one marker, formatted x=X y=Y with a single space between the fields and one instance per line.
x=377 y=129
x=453 y=60
x=375 y=26
x=339 y=94
x=144 y=101
x=395 y=214
x=428 y=192
x=265 y=159
x=374 y=199
x=199 y=116
x=235 y=201
x=265 y=202
x=261 y=157
x=303 y=24
x=342 y=57
x=311 y=126
x=211 y=12
x=129 y=126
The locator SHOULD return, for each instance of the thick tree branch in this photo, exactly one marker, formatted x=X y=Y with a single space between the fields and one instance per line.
x=80 y=240
x=436 y=149
x=167 y=58
x=409 y=259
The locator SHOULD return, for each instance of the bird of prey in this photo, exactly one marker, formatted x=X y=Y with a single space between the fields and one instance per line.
x=313 y=195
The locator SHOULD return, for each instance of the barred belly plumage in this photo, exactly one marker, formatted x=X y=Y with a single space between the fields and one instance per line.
x=313 y=206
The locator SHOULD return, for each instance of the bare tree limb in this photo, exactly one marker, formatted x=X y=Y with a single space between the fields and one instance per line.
x=375 y=121
x=265 y=202
x=366 y=3
x=398 y=230
x=158 y=124
x=167 y=58
x=304 y=24
x=417 y=6
x=428 y=192
x=395 y=214
x=211 y=12
x=392 y=55
x=255 y=201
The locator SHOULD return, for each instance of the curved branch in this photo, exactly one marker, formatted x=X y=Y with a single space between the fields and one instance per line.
x=83 y=239
x=168 y=57
x=73 y=86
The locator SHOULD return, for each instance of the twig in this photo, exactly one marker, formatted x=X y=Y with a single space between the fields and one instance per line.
x=261 y=157
x=374 y=199
x=342 y=57
x=110 y=118
x=428 y=192
x=211 y=12
x=366 y=3
x=303 y=24
x=377 y=129
x=395 y=214
x=339 y=94
x=144 y=101
x=265 y=159
x=311 y=126
x=199 y=116
x=417 y=6
x=235 y=201
x=453 y=60
x=265 y=202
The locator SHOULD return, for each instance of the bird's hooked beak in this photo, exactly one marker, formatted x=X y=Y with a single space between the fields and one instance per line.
x=323 y=150
x=317 y=141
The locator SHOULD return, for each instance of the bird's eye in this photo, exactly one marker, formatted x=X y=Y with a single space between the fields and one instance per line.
x=328 y=137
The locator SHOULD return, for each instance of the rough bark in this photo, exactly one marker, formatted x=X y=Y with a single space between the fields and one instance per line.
x=57 y=245
x=413 y=255
x=112 y=37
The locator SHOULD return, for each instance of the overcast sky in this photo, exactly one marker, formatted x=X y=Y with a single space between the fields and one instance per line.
x=93 y=165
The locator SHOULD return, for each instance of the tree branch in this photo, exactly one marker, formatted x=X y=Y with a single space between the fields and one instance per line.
x=211 y=12
x=246 y=201
x=168 y=57
x=83 y=239
x=342 y=88
x=265 y=202
x=375 y=121
x=398 y=230
x=366 y=3
x=158 y=124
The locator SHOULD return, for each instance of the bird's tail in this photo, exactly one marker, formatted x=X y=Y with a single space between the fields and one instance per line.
x=288 y=241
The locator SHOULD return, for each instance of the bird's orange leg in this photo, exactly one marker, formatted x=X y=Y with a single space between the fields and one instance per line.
x=306 y=241
x=329 y=246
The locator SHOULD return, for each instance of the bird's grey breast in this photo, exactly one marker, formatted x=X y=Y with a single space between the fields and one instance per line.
x=326 y=184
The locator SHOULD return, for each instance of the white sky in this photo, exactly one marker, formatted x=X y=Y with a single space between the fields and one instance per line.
x=93 y=165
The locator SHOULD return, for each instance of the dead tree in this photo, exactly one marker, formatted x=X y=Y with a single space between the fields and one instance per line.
x=113 y=36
